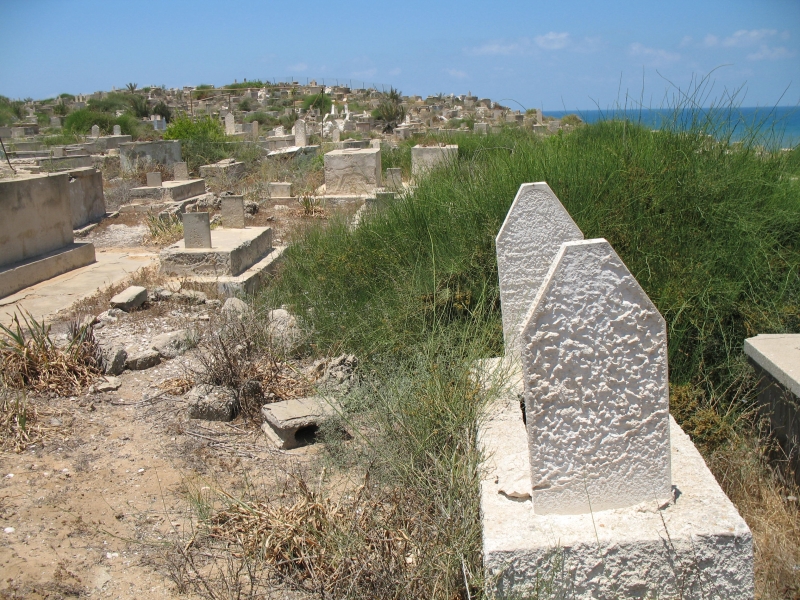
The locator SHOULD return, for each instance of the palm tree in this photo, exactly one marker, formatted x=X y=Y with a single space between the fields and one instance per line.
x=131 y=87
x=391 y=110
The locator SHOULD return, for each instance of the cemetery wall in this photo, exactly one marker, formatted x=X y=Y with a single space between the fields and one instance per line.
x=86 y=196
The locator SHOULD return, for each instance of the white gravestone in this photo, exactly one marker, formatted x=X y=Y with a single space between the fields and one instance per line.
x=300 y=133
x=230 y=124
x=336 y=135
x=534 y=228
x=594 y=360
x=95 y=131
x=196 y=230
x=117 y=130
x=233 y=212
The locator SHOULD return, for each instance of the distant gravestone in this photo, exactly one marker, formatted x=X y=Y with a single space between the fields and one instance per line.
x=336 y=135
x=254 y=130
x=233 y=212
x=481 y=128
x=279 y=130
x=154 y=179
x=394 y=179
x=534 y=228
x=230 y=124
x=376 y=143
x=55 y=122
x=594 y=361
x=58 y=151
x=180 y=171
x=196 y=230
x=117 y=130
x=300 y=133
x=95 y=131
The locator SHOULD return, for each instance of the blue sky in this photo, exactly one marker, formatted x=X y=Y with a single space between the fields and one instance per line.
x=553 y=55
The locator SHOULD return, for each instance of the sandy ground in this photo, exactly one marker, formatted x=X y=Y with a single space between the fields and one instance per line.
x=91 y=510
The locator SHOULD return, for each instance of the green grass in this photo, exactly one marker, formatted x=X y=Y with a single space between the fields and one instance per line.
x=711 y=231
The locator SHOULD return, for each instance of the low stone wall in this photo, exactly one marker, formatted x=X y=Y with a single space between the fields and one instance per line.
x=86 y=196
x=164 y=152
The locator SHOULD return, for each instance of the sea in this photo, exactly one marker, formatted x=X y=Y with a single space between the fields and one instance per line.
x=777 y=127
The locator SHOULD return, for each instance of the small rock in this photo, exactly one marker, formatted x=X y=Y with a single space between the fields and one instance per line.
x=251 y=207
x=55 y=422
x=9 y=530
x=143 y=360
x=131 y=298
x=191 y=297
x=234 y=307
x=114 y=359
x=216 y=219
x=88 y=321
x=107 y=384
x=214 y=303
x=174 y=343
x=284 y=331
x=212 y=403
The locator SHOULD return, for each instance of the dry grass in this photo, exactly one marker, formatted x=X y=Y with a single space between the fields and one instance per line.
x=19 y=426
x=30 y=359
x=163 y=231
x=769 y=503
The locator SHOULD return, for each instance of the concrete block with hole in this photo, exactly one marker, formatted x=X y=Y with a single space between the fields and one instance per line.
x=294 y=423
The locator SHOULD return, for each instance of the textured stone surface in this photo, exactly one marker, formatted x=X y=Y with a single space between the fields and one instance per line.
x=212 y=403
x=173 y=343
x=234 y=307
x=352 y=171
x=234 y=251
x=697 y=547
x=114 y=359
x=594 y=361
x=779 y=355
x=143 y=360
x=130 y=298
x=154 y=179
x=300 y=138
x=180 y=171
x=534 y=229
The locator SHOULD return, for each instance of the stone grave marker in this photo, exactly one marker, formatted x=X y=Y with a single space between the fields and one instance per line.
x=594 y=362
x=534 y=228
x=230 y=124
x=154 y=179
x=336 y=135
x=117 y=130
x=55 y=122
x=196 y=230
x=58 y=151
x=394 y=179
x=233 y=212
x=481 y=128
x=300 y=138
x=95 y=131
x=180 y=171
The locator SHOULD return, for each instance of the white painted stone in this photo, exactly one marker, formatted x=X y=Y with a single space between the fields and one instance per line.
x=230 y=124
x=594 y=360
x=696 y=547
x=534 y=229
x=117 y=130
x=95 y=131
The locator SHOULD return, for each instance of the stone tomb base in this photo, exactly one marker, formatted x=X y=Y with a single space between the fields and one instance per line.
x=174 y=191
x=238 y=260
x=694 y=547
x=40 y=268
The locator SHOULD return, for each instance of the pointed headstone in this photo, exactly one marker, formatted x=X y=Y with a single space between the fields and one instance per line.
x=594 y=362
x=534 y=229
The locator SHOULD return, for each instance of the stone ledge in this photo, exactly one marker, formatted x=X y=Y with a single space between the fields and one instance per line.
x=174 y=191
x=41 y=268
x=233 y=251
x=697 y=546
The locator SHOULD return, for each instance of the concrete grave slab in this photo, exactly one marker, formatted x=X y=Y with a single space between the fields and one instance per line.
x=130 y=298
x=534 y=229
x=292 y=423
x=232 y=253
x=352 y=171
x=695 y=547
x=170 y=191
x=594 y=359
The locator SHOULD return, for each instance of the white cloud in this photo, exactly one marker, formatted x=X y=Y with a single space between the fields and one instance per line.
x=499 y=48
x=767 y=53
x=710 y=40
x=745 y=37
x=686 y=41
x=299 y=67
x=456 y=73
x=365 y=74
x=552 y=40
x=655 y=55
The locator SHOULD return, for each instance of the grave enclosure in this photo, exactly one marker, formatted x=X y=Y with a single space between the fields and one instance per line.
x=597 y=490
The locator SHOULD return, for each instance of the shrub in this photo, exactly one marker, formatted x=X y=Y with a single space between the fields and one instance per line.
x=163 y=110
x=202 y=140
x=321 y=101
x=81 y=121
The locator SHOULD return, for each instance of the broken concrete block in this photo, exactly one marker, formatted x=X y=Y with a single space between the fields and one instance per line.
x=212 y=403
x=191 y=297
x=294 y=423
x=107 y=384
x=114 y=359
x=173 y=343
x=234 y=307
x=143 y=360
x=130 y=298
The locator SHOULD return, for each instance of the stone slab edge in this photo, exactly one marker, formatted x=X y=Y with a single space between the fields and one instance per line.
x=41 y=268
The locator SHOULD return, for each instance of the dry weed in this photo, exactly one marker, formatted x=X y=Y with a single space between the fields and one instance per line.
x=770 y=504
x=30 y=359
x=18 y=422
